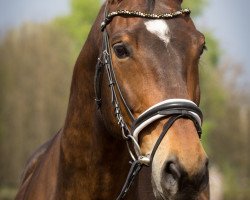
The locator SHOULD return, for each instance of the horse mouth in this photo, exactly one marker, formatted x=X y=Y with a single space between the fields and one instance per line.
x=162 y=197
x=159 y=196
x=186 y=189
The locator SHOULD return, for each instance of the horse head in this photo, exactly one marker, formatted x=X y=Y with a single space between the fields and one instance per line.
x=154 y=63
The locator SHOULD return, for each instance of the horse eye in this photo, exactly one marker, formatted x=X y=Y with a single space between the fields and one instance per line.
x=120 y=50
x=204 y=48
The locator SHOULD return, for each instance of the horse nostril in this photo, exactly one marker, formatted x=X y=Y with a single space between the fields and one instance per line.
x=175 y=178
x=173 y=169
x=171 y=176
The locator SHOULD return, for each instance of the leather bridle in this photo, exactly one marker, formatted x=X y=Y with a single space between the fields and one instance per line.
x=173 y=109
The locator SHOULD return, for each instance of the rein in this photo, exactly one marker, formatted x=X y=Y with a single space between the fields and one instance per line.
x=173 y=109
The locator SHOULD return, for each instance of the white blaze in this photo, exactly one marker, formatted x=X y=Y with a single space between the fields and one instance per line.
x=160 y=28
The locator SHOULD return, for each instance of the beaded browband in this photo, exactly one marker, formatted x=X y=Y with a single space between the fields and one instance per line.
x=111 y=15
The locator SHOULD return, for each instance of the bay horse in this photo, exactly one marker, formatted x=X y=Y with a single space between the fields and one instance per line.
x=134 y=97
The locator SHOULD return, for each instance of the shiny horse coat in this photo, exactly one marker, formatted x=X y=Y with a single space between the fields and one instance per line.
x=154 y=60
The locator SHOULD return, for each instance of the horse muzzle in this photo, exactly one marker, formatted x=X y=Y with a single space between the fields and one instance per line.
x=176 y=183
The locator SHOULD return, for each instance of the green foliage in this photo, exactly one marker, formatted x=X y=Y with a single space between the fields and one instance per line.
x=212 y=92
x=34 y=92
x=7 y=193
x=214 y=52
x=196 y=6
x=78 y=23
x=235 y=186
x=224 y=128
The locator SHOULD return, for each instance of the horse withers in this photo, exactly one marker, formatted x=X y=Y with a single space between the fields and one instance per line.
x=134 y=96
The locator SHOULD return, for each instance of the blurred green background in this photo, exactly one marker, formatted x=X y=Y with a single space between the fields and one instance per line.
x=36 y=63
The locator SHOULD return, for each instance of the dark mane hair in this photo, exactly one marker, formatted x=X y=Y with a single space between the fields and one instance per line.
x=151 y=5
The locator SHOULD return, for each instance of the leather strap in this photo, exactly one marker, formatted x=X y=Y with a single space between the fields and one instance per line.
x=167 y=109
x=166 y=127
x=134 y=170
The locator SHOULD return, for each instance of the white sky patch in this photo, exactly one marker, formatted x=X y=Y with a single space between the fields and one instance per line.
x=160 y=28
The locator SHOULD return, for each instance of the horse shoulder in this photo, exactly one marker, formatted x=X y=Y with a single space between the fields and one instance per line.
x=34 y=160
x=33 y=164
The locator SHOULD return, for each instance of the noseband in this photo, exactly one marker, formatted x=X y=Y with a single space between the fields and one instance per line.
x=173 y=109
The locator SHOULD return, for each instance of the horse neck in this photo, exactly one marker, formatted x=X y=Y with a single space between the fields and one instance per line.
x=86 y=143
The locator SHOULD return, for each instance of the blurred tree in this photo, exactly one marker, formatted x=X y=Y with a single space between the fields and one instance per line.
x=78 y=23
x=196 y=6
x=229 y=140
x=34 y=91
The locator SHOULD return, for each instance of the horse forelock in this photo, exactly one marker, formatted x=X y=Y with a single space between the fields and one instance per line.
x=151 y=5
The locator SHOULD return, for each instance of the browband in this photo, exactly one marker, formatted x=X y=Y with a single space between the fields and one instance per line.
x=128 y=13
